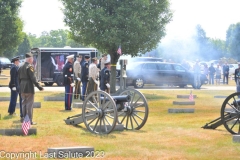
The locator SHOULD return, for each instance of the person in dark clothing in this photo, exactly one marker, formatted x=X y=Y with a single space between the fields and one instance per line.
x=211 y=74
x=85 y=76
x=27 y=80
x=225 y=73
x=68 y=81
x=14 y=87
x=105 y=78
x=237 y=78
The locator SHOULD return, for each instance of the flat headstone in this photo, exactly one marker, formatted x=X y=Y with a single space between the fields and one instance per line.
x=181 y=110
x=17 y=131
x=236 y=138
x=71 y=152
x=183 y=102
x=185 y=96
x=118 y=127
x=77 y=105
x=4 y=98
x=35 y=105
x=220 y=96
x=54 y=98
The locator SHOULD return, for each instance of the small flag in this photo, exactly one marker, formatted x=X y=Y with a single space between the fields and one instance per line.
x=119 y=51
x=26 y=125
x=191 y=96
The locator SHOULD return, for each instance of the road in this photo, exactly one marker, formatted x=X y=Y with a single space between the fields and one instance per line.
x=152 y=87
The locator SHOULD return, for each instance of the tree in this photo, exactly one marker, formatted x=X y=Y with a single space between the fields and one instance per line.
x=11 y=25
x=233 y=40
x=25 y=46
x=136 y=25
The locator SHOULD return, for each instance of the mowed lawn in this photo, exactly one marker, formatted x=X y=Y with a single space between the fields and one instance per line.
x=164 y=136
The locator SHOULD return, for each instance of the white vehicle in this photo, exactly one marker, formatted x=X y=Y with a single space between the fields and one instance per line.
x=49 y=62
x=232 y=68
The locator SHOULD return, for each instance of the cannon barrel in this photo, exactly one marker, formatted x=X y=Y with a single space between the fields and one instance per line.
x=119 y=99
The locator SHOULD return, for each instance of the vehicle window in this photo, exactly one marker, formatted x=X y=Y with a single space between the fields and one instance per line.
x=150 y=66
x=165 y=67
x=179 y=68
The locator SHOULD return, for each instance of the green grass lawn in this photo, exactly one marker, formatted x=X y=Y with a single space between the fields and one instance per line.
x=164 y=136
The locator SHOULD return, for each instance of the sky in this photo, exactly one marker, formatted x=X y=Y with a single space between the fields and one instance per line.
x=214 y=16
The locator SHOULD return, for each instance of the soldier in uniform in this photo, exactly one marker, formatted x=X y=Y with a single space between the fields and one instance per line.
x=93 y=76
x=84 y=78
x=14 y=87
x=68 y=81
x=237 y=78
x=27 y=80
x=105 y=78
x=77 y=74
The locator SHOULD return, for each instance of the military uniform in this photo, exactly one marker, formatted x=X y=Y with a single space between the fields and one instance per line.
x=27 y=80
x=84 y=78
x=93 y=77
x=237 y=78
x=77 y=75
x=105 y=78
x=68 y=80
x=14 y=87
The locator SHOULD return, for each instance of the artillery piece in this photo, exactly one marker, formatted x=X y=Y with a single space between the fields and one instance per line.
x=101 y=111
x=230 y=115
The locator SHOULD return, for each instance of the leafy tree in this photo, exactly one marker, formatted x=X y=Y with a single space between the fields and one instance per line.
x=136 y=25
x=10 y=25
x=24 y=47
x=233 y=40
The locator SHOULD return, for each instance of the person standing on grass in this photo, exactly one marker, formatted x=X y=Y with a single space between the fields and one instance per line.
x=14 y=87
x=197 y=74
x=218 y=74
x=68 y=81
x=225 y=73
x=84 y=75
x=27 y=80
x=237 y=78
x=77 y=74
x=211 y=74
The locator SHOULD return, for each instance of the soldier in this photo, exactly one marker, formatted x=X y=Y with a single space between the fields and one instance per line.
x=14 y=87
x=103 y=60
x=237 y=78
x=27 y=80
x=225 y=73
x=68 y=81
x=77 y=74
x=105 y=78
x=84 y=78
x=93 y=76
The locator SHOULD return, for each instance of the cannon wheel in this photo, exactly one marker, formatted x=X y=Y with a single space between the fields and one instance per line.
x=135 y=113
x=99 y=116
x=230 y=113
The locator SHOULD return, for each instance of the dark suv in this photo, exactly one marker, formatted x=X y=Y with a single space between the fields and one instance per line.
x=160 y=73
x=5 y=62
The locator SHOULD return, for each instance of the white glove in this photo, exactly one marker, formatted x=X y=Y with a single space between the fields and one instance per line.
x=72 y=84
x=14 y=88
x=108 y=85
x=79 y=79
x=96 y=82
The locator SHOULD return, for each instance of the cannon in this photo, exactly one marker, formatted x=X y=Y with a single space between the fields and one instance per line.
x=101 y=111
x=229 y=115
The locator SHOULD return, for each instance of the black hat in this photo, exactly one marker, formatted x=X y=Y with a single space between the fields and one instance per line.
x=27 y=55
x=87 y=56
x=14 y=59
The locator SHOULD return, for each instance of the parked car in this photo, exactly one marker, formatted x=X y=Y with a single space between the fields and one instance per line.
x=5 y=62
x=160 y=73
x=232 y=68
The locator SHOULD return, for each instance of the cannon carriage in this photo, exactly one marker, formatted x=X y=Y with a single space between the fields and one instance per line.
x=229 y=115
x=101 y=111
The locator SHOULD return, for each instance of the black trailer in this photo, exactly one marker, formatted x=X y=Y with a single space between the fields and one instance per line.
x=49 y=62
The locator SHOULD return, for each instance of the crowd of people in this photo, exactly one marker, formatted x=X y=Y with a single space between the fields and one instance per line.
x=87 y=77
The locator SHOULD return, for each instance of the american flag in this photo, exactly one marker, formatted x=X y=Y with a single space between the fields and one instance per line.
x=119 y=51
x=191 y=96
x=26 y=125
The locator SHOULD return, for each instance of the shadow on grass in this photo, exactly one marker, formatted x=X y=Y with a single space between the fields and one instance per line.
x=8 y=117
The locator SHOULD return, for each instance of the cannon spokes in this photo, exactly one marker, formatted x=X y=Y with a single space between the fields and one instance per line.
x=103 y=112
x=134 y=114
x=230 y=113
